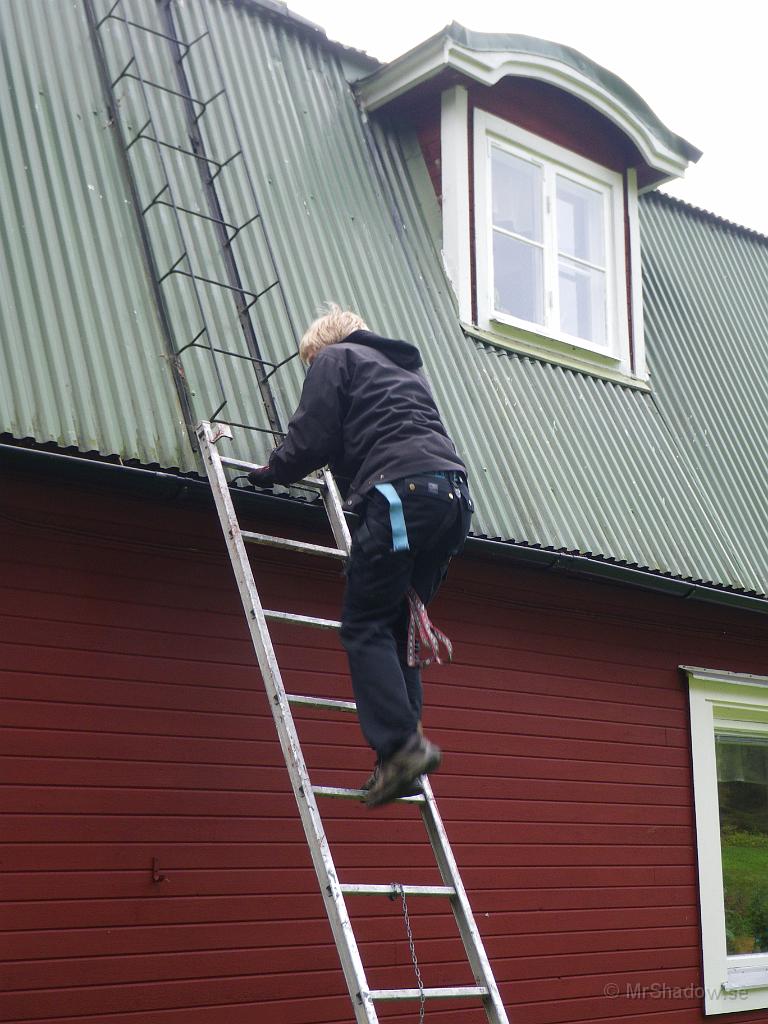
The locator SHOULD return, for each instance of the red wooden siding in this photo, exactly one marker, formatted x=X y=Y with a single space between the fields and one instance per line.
x=135 y=728
x=429 y=141
x=554 y=114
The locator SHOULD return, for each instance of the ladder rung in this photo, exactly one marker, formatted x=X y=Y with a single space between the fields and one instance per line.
x=293 y=545
x=239 y=463
x=340 y=793
x=352 y=889
x=322 y=702
x=460 y=992
x=310 y=481
x=302 y=620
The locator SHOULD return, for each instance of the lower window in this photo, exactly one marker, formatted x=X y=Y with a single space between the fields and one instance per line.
x=729 y=733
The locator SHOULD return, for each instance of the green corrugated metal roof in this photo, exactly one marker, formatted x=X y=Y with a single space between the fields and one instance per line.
x=558 y=459
x=82 y=360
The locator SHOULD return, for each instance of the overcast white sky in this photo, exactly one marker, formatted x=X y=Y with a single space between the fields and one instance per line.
x=701 y=66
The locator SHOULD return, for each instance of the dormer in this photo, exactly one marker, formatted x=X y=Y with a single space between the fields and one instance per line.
x=537 y=156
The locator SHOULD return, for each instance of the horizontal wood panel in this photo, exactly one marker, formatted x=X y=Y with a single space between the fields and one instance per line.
x=668 y=784
x=652 y=884
x=139 y=941
x=103 y=970
x=85 y=856
x=227 y=693
x=100 y=828
x=495 y=727
x=60 y=801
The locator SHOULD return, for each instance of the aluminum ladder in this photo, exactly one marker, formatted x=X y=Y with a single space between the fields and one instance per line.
x=364 y=998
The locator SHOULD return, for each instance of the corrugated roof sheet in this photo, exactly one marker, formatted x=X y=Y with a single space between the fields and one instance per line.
x=82 y=360
x=558 y=459
x=706 y=310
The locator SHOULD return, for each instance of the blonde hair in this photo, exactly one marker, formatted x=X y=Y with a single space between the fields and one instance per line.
x=333 y=326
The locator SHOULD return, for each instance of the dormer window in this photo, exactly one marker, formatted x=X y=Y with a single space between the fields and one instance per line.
x=537 y=156
x=549 y=233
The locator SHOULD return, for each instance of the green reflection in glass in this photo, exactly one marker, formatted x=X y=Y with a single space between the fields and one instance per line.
x=742 y=786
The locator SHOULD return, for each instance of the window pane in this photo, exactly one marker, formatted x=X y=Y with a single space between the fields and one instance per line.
x=517 y=194
x=742 y=786
x=580 y=227
x=518 y=279
x=582 y=302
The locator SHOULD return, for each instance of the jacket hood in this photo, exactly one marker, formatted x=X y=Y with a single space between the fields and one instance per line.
x=400 y=352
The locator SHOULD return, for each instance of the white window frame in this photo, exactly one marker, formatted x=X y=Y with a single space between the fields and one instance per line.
x=731 y=703
x=493 y=131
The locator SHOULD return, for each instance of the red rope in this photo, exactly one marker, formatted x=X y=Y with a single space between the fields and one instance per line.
x=430 y=637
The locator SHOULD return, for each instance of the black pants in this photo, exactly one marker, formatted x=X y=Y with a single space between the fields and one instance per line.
x=436 y=509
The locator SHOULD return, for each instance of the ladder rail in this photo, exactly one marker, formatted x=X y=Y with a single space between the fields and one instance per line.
x=233 y=120
x=470 y=934
x=333 y=897
x=169 y=335
x=216 y=208
x=333 y=506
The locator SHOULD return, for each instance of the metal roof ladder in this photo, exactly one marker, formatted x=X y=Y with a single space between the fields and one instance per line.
x=364 y=998
x=151 y=33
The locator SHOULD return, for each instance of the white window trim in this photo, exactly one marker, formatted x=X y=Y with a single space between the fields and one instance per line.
x=722 y=701
x=454 y=140
x=636 y=277
x=488 y=130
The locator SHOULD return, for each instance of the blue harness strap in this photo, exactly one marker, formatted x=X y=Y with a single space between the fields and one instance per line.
x=396 y=517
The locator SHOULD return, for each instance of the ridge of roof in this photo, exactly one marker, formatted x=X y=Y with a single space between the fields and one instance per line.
x=279 y=10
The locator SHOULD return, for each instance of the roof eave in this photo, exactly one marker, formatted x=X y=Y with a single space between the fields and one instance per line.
x=181 y=487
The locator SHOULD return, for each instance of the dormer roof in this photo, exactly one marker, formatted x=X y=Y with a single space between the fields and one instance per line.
x=489 y=57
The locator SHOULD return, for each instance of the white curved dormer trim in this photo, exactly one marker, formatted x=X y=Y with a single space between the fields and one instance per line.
x=490 y=66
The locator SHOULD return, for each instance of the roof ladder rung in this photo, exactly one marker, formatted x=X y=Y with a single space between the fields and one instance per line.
x=292 y=545
x=152 y=31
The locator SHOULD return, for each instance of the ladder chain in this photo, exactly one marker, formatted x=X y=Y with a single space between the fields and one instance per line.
x=397 y=887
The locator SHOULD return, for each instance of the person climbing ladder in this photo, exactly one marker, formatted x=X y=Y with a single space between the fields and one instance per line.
x=366 y=411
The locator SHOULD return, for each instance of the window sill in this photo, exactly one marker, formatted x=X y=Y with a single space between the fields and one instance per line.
x=748 y=978
x=746 y=989
x=548 y=350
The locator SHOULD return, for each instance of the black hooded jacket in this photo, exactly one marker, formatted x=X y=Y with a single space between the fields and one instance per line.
x=366 y=411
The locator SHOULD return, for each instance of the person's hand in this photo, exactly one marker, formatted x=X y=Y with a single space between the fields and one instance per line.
x=261 y=477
